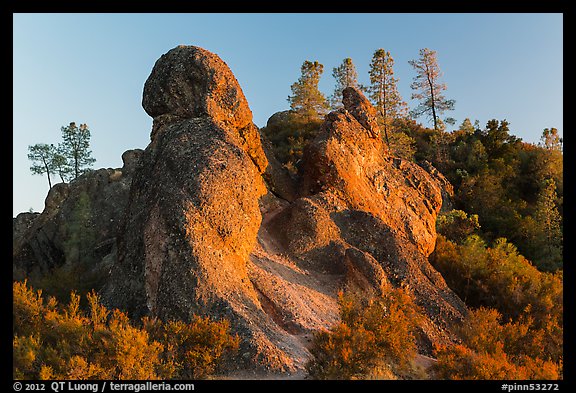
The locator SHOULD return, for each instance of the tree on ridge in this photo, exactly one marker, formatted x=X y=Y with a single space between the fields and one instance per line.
x=428 y=89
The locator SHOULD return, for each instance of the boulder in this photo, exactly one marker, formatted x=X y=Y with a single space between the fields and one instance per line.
x=189 y=82
x=193 y=215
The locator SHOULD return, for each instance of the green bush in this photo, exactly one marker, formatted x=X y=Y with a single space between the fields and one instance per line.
x=516 y=332
x=289 y=135
x=498 y=277
x=456 y=225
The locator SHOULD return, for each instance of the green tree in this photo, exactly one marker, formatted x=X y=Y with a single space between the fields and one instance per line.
x=441 y=143
x=467 y=127
x=428 y=88
x=402 y=145
x=42 y=156
x=495 y=137
x=546 y=162
x=75 y=148
x=60 y=165
x=345 y=75
x=551 y=140
x=289 y=133
x=306 y=98
x=549 y=224
x=384 y=92
x=456 y=225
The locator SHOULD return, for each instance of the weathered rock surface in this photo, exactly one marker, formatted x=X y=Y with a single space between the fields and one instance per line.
x=361 y=109
x=277 y=178
x=446 y=189
x=364 y=221
x=189 y=82
x=20 y=225
x=193 y=216
x=361 y=205
x=90 y=208
x=361 y=174
x=206 y=221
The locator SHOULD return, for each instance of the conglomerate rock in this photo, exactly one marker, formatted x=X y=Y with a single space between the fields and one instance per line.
x=84 y=213
x=206 y=221
x=193 y=215
x=357 y=197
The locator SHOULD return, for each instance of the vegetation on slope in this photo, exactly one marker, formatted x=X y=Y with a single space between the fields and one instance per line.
x=54 y=341
x=500 y=250
x=375 y=339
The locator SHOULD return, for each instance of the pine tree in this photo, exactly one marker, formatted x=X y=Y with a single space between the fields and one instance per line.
x=42 y=157
x=384 y=92
x=75 y=148
x=429 y=89
x=549 y=222
x=61 y=165
x=467 y=126
x=495 y=137
x=551 y=140
x=345 y=75
x=306 y=98
x=69 y=159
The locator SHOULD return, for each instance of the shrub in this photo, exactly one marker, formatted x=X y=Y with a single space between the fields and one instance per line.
x=289 y=133
x=192 y=350
x=374 y=337
x=53 y=341
x=494 y=350
x=456 y=225
x=498 y=277
x=516 y=332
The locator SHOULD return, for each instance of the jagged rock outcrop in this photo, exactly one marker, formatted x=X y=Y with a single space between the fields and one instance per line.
x=213 y=225
x=346 y=159
x=85 y=212
x=362 y=110
x=193 y=215
x=20 y=225
x=356 y=197
x=446 y=188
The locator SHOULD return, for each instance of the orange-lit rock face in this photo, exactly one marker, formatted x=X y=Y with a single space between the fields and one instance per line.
x=190 y=82
x=206 y=220
x=346 y=158
x=371 y=216
x=360 y=108
x=193 y=215
x=214 y=226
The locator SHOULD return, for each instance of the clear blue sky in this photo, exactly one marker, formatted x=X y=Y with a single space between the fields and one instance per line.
x=90 y=68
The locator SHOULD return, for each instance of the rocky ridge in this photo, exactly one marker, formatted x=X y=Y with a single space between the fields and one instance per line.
x=208 y=222
x=86 y=212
